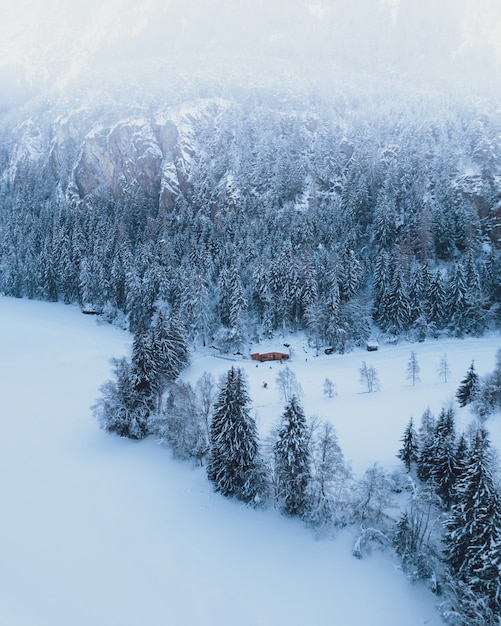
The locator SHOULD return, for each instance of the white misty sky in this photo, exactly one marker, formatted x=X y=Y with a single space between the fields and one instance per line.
x=56 y=40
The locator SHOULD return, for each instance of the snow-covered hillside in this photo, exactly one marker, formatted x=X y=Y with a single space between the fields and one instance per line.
x=99 y=530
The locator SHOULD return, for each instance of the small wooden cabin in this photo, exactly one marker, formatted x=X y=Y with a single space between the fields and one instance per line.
x=270 y=356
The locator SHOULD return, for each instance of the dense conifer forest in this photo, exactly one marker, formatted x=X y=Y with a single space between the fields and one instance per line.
x=251 y=211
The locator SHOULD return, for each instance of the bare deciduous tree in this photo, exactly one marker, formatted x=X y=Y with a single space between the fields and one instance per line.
x=443 y=368
x=329 y=388
x=287 y=384
x=413 y=369
x=369 y=377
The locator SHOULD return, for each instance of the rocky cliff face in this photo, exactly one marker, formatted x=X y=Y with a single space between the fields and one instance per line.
x=81 y=158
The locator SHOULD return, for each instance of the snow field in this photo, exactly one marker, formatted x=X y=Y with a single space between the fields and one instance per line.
x=369 y=425
x=102 y=531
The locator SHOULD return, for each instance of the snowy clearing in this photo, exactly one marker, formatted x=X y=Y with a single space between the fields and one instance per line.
x=103 y=531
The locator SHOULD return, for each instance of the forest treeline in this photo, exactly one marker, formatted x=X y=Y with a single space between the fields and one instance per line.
x=295 y=213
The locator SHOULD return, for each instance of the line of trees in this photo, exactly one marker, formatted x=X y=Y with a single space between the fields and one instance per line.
x=450 y=532
x=134 y=395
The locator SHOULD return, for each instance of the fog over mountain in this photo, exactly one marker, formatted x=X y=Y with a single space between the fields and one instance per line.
x=56 y=43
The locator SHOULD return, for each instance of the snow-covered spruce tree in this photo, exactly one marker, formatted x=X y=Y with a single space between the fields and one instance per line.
x=408 y=453
x=144 y=371
x=473 y=530
x=456 y=300
x=469 y=386
x=437 y=301
x=121 y=409
x=426 y=444
x=488 y=399
x=168 y=345
x=237 y=309
x=292 y=460
x=444 y=469
x=381 y=285
x=398 y=313
x=350 y=274
x=234 y=466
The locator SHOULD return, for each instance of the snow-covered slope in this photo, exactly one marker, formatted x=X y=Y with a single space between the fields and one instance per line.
x=99 y=530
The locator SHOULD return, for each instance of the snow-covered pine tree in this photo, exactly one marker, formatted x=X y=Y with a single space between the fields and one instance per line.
x=381 y=285
x=170 y=352
x=444 y=470
x=488 y=398
x=120 y=409
x=417 y=296
x=409 y=451
x=237 y=308
x=456 y=299
x=468 y=387
x=398 y=313
x=426 y=444
x=234 y=465
x=292 y=459
x=473 y=530
x=144 y=370
x=350 y=274
x=331 y=330
x=437 y=301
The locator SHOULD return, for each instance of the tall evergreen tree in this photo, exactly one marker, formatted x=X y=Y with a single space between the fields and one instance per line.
x=144 y=371
x=444 y=469
x=120 y=409
x=292 y=459
x=234 y=465
x=473 y=530
x=408 y=453
x=381 y=285
x=398 y=312
x=168 y=344
x=437 y=301
x=469 y=386
x=350 y=274
x=426 y=444
x=456 y=300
